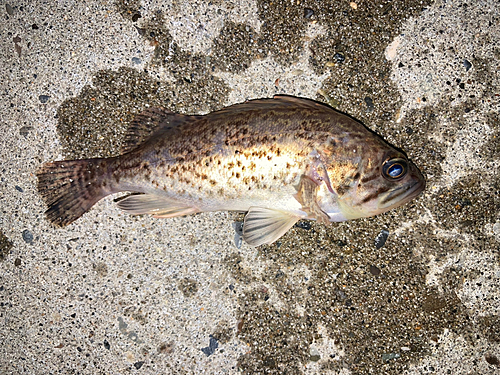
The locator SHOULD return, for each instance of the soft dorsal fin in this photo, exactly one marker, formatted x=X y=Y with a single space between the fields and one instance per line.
x=152 y=120
x=299 y=102
x=278 y=102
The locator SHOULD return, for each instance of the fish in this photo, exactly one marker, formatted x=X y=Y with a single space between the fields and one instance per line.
x=278 y=160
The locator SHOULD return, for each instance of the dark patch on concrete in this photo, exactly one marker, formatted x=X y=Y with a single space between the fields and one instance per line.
x=223 y=333
x=492 y=147
x=489 y=326
x=360 y=37
x=93 y=123
x=236 y=46
x=192 y=71
x=5 y=246
x=129 y=9
x=370 y=317
x=283 y=28
x=468 y=204
x=188 y=287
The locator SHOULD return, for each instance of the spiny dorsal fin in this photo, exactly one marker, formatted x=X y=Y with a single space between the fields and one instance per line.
x=149 y=122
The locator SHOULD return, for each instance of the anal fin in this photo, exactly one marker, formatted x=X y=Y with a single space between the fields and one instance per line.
x=264 y=225
x=159 y=207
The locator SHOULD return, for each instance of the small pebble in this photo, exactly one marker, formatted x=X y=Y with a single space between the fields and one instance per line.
x=34 y=26
x=17 y=262
x=467 y=65
x=106 y=344
x=389 y=356
x=18 y=188
x=369 y=103
x=315 y=355
x=138 y=365
x=136 y=60
x=210 y=349
x=24 y=131
x=9 y=9
x=308 y=12
x=238 y=236
x=304 y=225
x=339 y=57
x=381 y=238
x=28 y=236
x=44 y=98
x=135 y=17
x=374 y=270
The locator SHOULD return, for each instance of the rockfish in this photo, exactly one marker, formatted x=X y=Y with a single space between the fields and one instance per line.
x=279 y=160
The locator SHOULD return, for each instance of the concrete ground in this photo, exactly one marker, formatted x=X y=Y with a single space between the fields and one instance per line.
x=113 y=294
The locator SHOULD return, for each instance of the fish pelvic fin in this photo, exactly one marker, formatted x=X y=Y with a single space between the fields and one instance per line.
x=152 y=121
x=264 y=225
x=159 y=207
x=71 y=187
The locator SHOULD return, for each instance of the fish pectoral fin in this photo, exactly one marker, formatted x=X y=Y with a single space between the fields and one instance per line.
x=306 y=196
x=264 y=225
x=151 y=204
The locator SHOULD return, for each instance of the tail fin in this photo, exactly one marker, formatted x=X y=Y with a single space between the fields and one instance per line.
x=71 y=187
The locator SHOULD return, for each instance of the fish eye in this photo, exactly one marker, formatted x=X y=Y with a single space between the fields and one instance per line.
x=395 y=169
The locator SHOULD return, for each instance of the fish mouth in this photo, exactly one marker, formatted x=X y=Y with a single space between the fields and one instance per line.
x=404 y=193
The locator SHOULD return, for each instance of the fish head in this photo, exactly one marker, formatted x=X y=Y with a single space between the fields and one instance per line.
x=384 y=180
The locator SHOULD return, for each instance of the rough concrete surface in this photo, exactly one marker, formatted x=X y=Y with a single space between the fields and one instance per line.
x=113 y=294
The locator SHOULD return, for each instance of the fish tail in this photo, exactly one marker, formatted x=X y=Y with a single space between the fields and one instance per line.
x=71 y=187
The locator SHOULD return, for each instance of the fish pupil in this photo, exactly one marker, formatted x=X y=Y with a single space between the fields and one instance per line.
x=395 y=170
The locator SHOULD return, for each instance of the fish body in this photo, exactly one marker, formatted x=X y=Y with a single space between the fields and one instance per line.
x=280 y=160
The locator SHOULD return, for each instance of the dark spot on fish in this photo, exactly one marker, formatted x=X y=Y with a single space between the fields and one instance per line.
x=269 y=157
x=213 y=182
x=356 y=176
x=369 y=178
x=237 y=175
x=204 y=176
